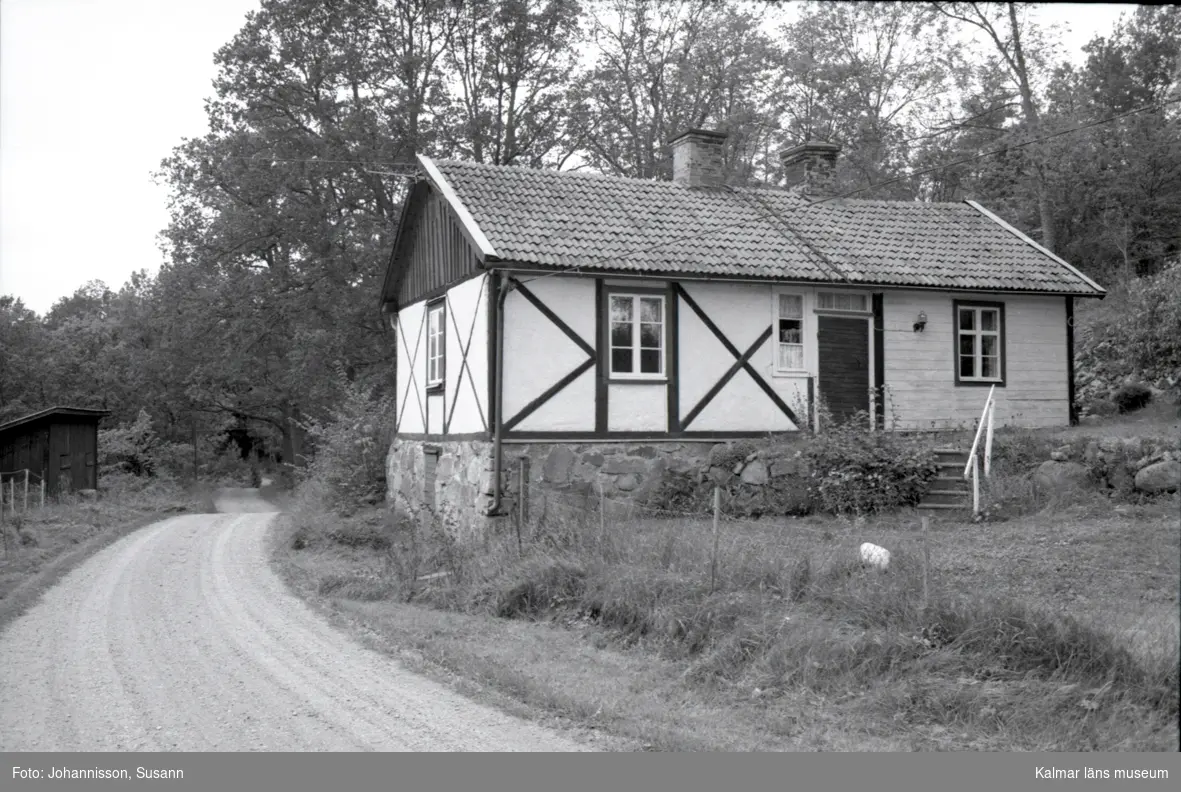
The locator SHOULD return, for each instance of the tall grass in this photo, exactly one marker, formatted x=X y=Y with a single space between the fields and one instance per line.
x=792 y=608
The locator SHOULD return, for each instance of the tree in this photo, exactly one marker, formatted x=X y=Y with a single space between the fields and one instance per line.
x=22 y=357
x=1023 y=51
x=283 y=215
x=512 y=61
x=870 y=76
x=666 y=67
x=1118 y=184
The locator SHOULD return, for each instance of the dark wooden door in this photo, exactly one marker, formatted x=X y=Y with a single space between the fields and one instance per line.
x=843 y=347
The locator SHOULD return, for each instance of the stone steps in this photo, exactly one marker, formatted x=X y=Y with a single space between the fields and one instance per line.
x=950 y=491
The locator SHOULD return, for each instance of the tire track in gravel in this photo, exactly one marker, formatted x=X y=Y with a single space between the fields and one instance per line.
x=179 y=637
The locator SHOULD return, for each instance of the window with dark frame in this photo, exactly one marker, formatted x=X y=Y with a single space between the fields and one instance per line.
x=636 y=324
x=436 y=344
x=979 y=343
x=790 y=332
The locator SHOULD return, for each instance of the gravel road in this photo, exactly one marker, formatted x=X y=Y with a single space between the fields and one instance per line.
x=179 y=637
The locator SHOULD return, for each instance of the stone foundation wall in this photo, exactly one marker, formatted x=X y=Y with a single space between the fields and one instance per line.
x=576 y=472
x=460 y=490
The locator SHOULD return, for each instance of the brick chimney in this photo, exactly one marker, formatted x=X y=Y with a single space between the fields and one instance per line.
x=697 y=158
x=808 y=167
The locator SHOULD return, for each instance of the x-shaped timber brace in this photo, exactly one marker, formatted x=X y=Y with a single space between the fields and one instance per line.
x=578 y=371
x=464 y=367
x=741 y=361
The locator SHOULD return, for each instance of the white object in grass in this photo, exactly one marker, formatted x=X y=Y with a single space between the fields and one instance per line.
x=875 y=556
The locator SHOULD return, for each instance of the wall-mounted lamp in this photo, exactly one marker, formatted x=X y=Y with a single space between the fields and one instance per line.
x=920 y=323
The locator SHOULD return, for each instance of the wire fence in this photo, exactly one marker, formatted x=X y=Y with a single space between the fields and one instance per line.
x=21 y=490
x=931 y=559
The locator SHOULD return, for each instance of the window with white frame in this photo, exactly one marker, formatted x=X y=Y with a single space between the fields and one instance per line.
x=789 y=332
x=636 y=335
x=436 y=344
x=979 y=342
x=842 y=301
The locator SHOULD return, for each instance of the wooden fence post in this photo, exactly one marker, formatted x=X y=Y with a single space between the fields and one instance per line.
x=602 y=515
x=26 y=489
x=42 y=493
x=926 y=559
x=713 y=566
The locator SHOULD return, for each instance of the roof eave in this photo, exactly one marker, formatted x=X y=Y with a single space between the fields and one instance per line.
x=519 y=265
x=86 y=412
x=1100 y=292
x=479 y=239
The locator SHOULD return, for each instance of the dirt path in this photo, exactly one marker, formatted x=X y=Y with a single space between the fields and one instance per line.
x=180 y=638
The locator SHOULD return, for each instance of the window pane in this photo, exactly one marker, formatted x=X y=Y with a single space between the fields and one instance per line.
x=967 y=345
x=967 y=366
x=791 y=356
x=433 y=319
x=989 y=367
x=988 y=320
x=967 y=319
x=791 y=306
x=621 y=309
x=621 y=335
x=650 y=361
x=621 y=361
x=825 y=300
x=650 y=335
x=651 y=309
x=791 y=331
x=988 y=345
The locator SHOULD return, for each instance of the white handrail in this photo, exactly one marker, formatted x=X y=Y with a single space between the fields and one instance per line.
x=972 y=469
x=985 y=419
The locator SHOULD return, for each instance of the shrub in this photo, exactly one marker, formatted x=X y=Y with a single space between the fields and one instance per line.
x=1101 y=407
x=859 y=471
x=1131 y=397
x=351 y=447
x=1135 y=331
x=135 y=448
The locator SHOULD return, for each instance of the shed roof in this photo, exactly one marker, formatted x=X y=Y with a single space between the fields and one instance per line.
x=50 y=411
x=561 y=219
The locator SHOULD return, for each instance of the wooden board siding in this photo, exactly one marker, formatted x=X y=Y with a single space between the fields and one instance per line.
x=843 y=346
x=62 y=449
x=433 y=253
x=920 y=375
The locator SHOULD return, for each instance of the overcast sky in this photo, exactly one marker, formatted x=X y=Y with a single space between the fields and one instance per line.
x=95 y=93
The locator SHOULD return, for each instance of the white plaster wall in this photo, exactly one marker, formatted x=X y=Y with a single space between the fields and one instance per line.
x=742 y=312
x=570 y=410
x=537 y=354
x=920 y=374
x=409 y=337
x=435 y=409
x=467 y=308
x=637 y=408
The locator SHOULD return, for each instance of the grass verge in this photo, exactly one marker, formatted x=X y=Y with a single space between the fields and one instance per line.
x=787 y=643
x=44 y=545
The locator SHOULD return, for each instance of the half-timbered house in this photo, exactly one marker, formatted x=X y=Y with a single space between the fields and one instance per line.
x=604 y=328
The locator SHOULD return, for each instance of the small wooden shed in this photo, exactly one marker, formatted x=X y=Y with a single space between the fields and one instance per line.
x=58 y=444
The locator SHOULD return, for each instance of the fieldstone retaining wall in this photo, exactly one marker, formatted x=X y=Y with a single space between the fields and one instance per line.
x=1149 y=465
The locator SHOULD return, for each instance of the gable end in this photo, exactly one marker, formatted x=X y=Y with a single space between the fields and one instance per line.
x=432 y=250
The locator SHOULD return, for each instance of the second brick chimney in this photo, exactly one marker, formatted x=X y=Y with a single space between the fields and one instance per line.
x=808 y=167
x=697 y=158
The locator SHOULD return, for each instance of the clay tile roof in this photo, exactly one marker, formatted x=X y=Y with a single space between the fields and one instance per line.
x=590 y=221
